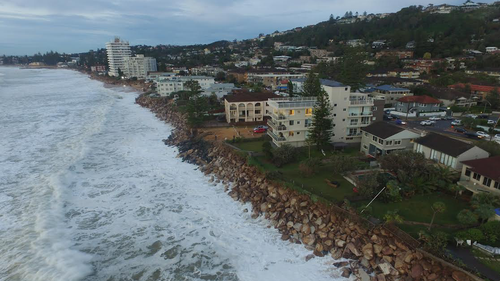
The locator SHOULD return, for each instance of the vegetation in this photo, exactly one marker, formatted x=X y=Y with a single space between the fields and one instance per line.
x=437 y=207
x=321 y=129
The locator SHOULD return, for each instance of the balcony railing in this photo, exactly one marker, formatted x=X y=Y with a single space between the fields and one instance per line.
x=275 y=137
x=276 y=126
x=278 y=116
x=354 y=135
x=361 y=102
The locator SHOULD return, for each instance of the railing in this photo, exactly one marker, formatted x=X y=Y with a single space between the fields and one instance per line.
x=276 y=126
x=275 y=137
x=361 y=102
x=278 y=116
x=366 y=113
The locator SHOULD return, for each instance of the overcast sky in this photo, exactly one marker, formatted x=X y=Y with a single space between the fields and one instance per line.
x=30 y=26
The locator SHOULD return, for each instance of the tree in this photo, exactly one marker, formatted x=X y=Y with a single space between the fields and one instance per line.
x=351 y=68
x=193 y=87
x=484 y=212
x=393 y=217
x=284 y=154
x=427 y=56
x=473 y=234
x=120 y=73
x=312 y=86
x=434 y=242
x=290 y=88
x=437 y=207
x=331 y=19
x=493 y=98
x=467 y=217
x=220 y=76
x=406 y=164
x=491 y=231
x=321 y=129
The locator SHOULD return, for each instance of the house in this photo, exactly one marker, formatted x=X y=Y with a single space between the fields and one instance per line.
x=448 y=151
x=394 y=53
x=417 y=104
x=490 y=71
x=481 y=175
x=448 y=97
x=491 y=49
x=381 y=138
x=479 y=91
x=390 y=93
x=469 y=6
x=245 y=106
x=219 y=89
x=290 y=120
x=167 y=85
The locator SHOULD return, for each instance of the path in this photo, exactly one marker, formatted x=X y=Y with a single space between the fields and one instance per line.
x=465 y=255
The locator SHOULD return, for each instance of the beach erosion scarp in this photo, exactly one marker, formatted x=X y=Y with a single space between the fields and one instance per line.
x=370 y=253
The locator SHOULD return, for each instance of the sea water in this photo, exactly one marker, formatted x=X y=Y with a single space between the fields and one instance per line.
x=88 y=191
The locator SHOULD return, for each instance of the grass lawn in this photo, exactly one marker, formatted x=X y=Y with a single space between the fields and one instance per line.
x=495 y=265
x=418 y=208
x=251 y=145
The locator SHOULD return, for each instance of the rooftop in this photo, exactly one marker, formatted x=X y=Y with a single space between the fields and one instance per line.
x=245 y=96
x=420 y=99
x=488 y=167
x=447 y=145
x=324 y=82
x=382 y=130
x=293 y=102
x=390 y=88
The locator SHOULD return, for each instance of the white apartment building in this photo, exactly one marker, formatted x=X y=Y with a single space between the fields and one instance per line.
x=290 y=120
x=244 y=106
x=169 y=85
x=118 y=51
x=350 y=111
x=139 y=66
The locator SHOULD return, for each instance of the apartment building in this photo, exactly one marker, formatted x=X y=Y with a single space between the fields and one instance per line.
x=390 y=93
x=290 y=119
x=118 y=51
x=166 y=86
x=350 y=111
x=244 y=106
x=139 y=66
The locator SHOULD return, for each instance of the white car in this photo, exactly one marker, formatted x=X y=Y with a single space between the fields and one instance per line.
x=491 y=122
x=426 y=123
x=496 y=137
x=456 y=123
x=435 y=118
x=482 y=134
x=473 y=116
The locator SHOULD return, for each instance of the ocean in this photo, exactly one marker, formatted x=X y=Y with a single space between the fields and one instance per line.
x=88 y=191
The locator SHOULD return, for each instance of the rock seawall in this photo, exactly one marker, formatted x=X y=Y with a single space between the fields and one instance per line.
x=375 y=254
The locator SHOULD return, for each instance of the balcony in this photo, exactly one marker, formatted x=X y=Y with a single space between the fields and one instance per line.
x=354 y=135
x=357 y=102
x=275 y=137
x=278 y=116
x=366 y=113
x=358 y=124
x=276 y=127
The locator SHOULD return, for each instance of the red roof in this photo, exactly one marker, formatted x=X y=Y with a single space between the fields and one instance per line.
x=474 y=88
x=419 y=99
x=488 y=167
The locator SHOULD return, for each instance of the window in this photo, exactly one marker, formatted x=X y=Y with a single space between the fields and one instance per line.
x=345 y=109
x=290 y=123
x=290 y=134
x=381 y=141
x=419 y=148
x=365 y=147
x=291 y=112
x=476 y=176
x=497 y=185
x=375 y=138
x=298 y=122
x=486 y=181
x=434 y=154
x=467 y=172
x=397 y=142
x=309 y=111
x=388 y=142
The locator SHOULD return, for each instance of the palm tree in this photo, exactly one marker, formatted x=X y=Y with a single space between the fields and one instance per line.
x=437 y=207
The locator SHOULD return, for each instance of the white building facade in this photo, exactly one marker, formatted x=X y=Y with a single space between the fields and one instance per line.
x=118 y=51
x=139 y=66
x=169 y=85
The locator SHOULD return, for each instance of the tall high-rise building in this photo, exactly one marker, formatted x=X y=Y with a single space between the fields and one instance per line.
x=117 y=51
x=139 y=66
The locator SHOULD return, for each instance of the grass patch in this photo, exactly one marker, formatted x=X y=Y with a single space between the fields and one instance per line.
x=480 y=255
x=251 y=145
x=418 y=208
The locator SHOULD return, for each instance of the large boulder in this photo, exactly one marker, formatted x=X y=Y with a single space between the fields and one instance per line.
x=416 y=271
x=367 y=251
x=309 y=239
x=459 y=276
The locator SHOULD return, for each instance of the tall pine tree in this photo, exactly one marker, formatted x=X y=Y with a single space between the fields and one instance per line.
x=312 y=86
x=321 y=130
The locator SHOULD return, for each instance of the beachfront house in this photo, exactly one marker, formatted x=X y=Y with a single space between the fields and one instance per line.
x=381 y=138
x=481 y=175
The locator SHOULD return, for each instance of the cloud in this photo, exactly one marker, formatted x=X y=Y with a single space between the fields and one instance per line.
x=77 y=26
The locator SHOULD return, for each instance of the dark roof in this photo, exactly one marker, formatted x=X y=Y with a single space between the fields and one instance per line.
x=488 y=167
x=245 y=96
x=382 y=129
x=449 y=146
x=325 y=82
x=420 y=99
x=444 y=93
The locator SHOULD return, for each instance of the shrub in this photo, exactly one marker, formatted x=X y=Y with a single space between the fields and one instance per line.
x=473 y=234
x=283 y=155
x=491 y=231
x=467 y=217
x=434 y=242
x=267 y=148
x=274 y=175
x=309 y=166
x=343 y=163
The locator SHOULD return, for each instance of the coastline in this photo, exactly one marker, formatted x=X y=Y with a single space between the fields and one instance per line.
x=375 y=253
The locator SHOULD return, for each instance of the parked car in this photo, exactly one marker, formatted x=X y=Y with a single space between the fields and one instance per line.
x=426 y=123
x=482 y=134
x=491 y=122
x=259 y=130
x=497 y=136
x=447 y=118
x=460 y=130
x=434 y=118
x=473 y=116
x=261 y=127
x=472 y=135
x=456 y=122
x=388 y=117
x=483 y=116
x=400 y=122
